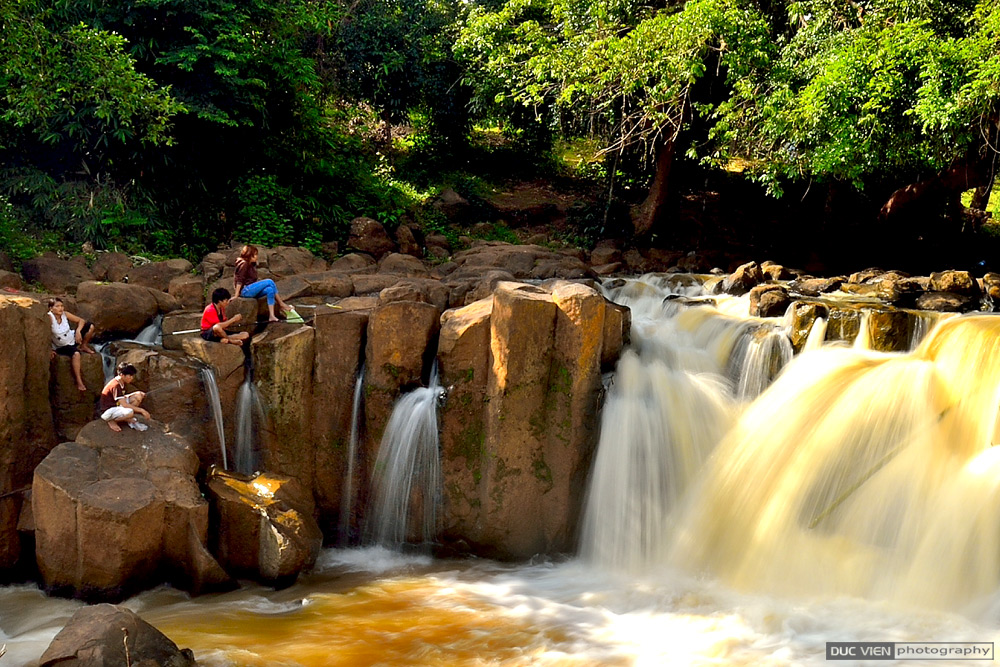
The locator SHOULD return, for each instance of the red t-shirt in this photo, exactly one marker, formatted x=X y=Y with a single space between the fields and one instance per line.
x=213 y=315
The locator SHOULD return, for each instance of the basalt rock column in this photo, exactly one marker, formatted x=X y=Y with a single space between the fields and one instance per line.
x=283 y=372
x=517 y=475
x=340 y=338
x=26 y=430
x=464 y=365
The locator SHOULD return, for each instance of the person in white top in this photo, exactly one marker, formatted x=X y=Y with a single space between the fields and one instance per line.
x=65 y=339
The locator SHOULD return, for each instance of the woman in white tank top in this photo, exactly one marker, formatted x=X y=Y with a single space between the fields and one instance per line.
x=65 y=339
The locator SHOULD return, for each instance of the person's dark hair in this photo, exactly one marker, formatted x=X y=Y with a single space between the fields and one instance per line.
x=54 y=300
x=220 y=294
x=125 y=368
x=248 y=251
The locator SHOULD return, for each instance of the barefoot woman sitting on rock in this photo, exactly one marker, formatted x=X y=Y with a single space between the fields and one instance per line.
x=247 y=284
x=67 y=342
x=117 y=407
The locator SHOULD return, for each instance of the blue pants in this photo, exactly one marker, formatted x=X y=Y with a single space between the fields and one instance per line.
x=265 y=287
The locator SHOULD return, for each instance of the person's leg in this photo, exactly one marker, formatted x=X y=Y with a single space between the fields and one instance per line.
x=88 y=335
x=265 y=287
x=74 y=363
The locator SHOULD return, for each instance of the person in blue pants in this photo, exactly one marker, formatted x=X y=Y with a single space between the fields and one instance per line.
x=247 y=285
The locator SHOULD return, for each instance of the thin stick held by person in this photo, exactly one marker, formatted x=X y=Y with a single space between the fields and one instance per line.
x=119 y=408
x=214 y=324
x=70 y=336
x=247 y=284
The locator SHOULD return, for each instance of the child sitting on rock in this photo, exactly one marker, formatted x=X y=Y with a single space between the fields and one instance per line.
x=214 y=322
x=117 y=407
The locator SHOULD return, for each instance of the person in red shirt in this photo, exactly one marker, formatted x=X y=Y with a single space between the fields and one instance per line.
x=214 y=322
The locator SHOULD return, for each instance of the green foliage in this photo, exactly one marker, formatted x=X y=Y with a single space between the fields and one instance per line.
x=18 y=245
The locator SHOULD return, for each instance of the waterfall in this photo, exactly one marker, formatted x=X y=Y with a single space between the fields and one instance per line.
x=817 y=335
x=107 y=361
x=856 y=473
x=347 y=496
x=152 y=334
x=757 y=360
x=406 y=484
x=212 y=392
x=863 y=341
x=249 y=413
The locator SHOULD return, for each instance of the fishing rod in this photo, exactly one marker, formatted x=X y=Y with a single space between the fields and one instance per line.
x=247 y=325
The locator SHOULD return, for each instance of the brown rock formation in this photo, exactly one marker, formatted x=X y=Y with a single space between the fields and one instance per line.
x=104 y=634
x=265 y=525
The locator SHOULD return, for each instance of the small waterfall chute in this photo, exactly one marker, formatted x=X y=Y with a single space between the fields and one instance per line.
x=406 y=484
x=347 y=496
x=207 y=376
x=249 y=415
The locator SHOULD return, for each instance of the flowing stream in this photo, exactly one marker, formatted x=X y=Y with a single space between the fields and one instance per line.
x=212 y=392
x=855 y=497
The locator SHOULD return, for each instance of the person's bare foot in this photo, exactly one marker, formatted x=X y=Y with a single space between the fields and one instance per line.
x=273 y=319
x=87 y=349
x=81 y=387
x=113 y=425
x=236 y=342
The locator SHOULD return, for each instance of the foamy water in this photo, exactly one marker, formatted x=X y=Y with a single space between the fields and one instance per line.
x=371 y=606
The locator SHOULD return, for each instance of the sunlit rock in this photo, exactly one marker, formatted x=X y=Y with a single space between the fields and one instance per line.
x=265 y=525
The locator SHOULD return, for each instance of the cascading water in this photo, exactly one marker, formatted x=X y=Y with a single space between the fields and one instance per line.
x=347 y=497
x=249 y=413
x=406 y=485
x=107 y=361
x=212 y=392
x=152 y=334
x=855 y=472
x=817 y=335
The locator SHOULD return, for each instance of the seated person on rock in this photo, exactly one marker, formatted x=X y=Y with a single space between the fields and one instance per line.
x=66 y=341
x=247 y=284
x=117 y=407
x=214 y=322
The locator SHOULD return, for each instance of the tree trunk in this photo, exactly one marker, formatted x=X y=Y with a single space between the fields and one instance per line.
x=646 y=214
x=916 y=198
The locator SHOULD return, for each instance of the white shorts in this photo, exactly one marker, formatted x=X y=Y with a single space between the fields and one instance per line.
x=117 y=413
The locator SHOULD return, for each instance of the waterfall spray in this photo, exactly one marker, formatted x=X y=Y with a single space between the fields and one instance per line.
x=212 y=392
x=407 y=480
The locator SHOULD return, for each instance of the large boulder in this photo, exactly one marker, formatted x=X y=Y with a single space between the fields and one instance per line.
x=369 y=236
x=743 y=279
x=158 y=274
x=403 y=265
x=58 y=276
x=112 y=267
x=26 y=429
x=354 y=263
x=117 y=309
x=189 y=290
x=289 y=260
x=10 y=281
x=115 y=513
x=104 y=634
x=265 y=525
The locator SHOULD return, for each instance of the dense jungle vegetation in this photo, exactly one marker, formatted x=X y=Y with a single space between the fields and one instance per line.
x=169 y=126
